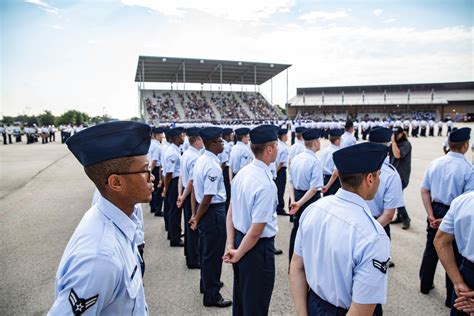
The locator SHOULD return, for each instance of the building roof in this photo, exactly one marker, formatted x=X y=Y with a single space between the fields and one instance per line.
x=170 y=69
x=427 y=93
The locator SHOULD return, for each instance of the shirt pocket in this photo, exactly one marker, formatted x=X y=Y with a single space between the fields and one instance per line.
x=133 y=288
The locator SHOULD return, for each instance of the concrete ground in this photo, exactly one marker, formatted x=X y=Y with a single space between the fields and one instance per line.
x=44 y=194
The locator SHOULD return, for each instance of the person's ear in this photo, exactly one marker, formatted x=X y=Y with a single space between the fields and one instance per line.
x=114 y=183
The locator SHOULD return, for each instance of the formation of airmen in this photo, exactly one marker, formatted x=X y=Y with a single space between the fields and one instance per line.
x=228 y=183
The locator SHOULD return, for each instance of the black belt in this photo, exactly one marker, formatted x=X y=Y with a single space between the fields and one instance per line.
x=468 y=264
x=217 y=204
x=261 y=238
x=339 y=310
x=440 y=204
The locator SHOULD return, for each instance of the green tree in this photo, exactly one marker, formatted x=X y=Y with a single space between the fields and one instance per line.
x=72 y=117
x=8 y=120
x=135 y=119
x=46 y=118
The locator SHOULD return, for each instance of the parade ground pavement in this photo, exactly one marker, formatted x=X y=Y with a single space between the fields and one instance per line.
x=44 y=193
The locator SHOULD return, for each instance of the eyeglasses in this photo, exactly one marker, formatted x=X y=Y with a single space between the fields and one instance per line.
x=148 y=172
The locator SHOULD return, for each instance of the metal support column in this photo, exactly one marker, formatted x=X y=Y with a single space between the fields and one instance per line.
x=286 y=103
x=271 y=91
x=184 y=76
x=255 y=77
x=221 y=76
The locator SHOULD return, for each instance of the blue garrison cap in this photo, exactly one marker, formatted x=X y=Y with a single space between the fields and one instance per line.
x=380 y=135
x=460 y=135
x=263 y=134
x=313 y=133
x=349 y=124
x=242 y=131
x=360 y=158
x=157 y=130
x=109 y=141
x=210 y=132
x=172 y=132
x=227 y=131
x=192 y=131
x=282 y=131
x=336 y=132
x=300 y=129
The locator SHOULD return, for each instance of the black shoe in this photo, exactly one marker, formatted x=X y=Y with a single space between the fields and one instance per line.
x=398 y=220
x=180 y=243
x=424 y=291
x=160 y=214
x=221 y=284
x=278 y=252
x=194 y=266
x=391 y=264
x=406 y=223
x=222 y=302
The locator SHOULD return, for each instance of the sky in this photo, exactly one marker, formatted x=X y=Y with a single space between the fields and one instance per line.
x=66 y=54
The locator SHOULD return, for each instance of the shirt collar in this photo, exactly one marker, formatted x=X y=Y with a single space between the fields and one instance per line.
x=455 y=155
x=309 y=151
x=192 y=148
x=261 y=164
x=354 y=198
x=334 y=146
x=118 y=217
x=175 y=146
x=212 y=156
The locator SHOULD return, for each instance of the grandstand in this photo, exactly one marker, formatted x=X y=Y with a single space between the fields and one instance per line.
x=438 y=100
x=158 y=105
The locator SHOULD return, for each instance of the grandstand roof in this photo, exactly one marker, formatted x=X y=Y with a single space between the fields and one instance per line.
x=170 y=69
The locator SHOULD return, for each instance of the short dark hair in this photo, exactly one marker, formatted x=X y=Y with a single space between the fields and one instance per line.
x=240 y=137
x=353 y=180
x=258 y=149
x=193 y=139
x=456 y=146
x=100 y=172
x=333 y=139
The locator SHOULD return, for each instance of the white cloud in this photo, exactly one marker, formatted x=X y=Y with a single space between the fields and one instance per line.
x=377 y=12
x=391 y=20
x=57 y=27
x=316 y=16
x=244 y=10
x=43 y=5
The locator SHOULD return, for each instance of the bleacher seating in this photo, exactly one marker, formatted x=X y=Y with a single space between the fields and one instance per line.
x=165 y=105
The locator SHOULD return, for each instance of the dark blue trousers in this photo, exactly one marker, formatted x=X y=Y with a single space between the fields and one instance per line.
x=281 y=184
x=225 y=173
x=174 y=220
x=467 y=272
x=254 y=277
x=334 y=187
x=296 y=218
x=319 y=307
x=212 y=238
x=156 y=194
x=191 y=237
x=430 y=257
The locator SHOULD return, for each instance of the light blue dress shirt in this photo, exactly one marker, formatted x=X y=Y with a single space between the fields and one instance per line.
x=154 y=152
x=240 y=156
x=254 y=199
x=208 y=178
x=224 y=156
x=297 y=148
x=188 y=160
x=172 y=161
x=447 y=177
x=327 y=161
x=459 y=221
x=99 y=272
x=347 y=139
x=345 y=251
x=306 y=171
x=164 y=148
x=283 y=154
x=389 y=194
